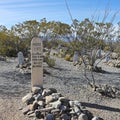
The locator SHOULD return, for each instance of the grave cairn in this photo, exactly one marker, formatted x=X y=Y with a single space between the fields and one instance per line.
x=47 y=103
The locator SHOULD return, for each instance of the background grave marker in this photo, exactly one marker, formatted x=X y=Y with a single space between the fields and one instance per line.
x=20 y=58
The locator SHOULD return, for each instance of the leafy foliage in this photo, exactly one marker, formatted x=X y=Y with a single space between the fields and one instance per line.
x=68 y=57
x=49 y=61
x=80 y=35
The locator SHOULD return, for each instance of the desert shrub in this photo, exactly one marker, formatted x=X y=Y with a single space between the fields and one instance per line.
x=71 y=59
x=117 y=49
x=68 y=57
x=107 y=48
x=49 y=61
x=61 y=53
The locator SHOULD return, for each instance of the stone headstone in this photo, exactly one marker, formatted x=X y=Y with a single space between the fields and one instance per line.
x=75 y=57
x=36 y=62
x=98 y=54
x=107 y=57
x=20 y=58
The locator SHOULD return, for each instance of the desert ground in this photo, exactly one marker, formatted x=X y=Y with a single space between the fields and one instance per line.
x=64 y=77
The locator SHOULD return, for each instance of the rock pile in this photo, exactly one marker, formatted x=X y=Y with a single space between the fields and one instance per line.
x=47 y=104
x=114 y=55
x=114 y=63
x=26 y=67
x=2 y=58
x=108 y=91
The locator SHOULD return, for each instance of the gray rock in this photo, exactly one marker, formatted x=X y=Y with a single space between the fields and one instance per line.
x=56 y=96
x=55 y=110
x=25 y=110
x=48 y=99
x=72 y=111
x=74 y=117
x=28 y=98
x=40 y=103
x=37 y=113
x=71 y=103
x=77 y=103
x=64 y=101
x=46 y=92
x=77 y=110
x=20 y=108
x=53 y=97
x=56 y=104
x=33 y=106
x=50 y=116
x=65 y=117
x=53 y=90
x=39 y=97
x=114 y=55
x=88 y=114
x=2 y=58
x=62 y=107
x=95 y=118
x=36 y=90
x=46 y=109
x=118 y=94
x=82 y=117
x=31 y=115
x=30 y=112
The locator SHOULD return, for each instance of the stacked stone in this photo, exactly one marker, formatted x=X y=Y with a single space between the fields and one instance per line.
x=2 y=58
x=109 y=91
x=114 y=63
x=25 y=68
x=47 y=104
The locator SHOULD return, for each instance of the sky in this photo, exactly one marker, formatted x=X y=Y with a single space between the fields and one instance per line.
x=17 y=11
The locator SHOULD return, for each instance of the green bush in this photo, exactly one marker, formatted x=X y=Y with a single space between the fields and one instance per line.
x=117 y=49
x=67 y=57
x=49 y=61
x=107 y=48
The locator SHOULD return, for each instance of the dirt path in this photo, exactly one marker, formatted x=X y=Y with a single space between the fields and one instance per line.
x=66 y=79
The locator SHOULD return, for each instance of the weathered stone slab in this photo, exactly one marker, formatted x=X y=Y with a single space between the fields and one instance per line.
x=36 y=62
x=20 y=58
x=75 y=57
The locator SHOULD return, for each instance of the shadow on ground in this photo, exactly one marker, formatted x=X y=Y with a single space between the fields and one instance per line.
x=14 y=84
x=101 y=107
x=61 y=69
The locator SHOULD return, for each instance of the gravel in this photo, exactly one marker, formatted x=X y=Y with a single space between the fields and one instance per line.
x=64 y=77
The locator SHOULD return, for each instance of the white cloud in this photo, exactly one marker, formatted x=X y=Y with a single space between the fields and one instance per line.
x=14 y=11
x=23 y=3
x=11 y=1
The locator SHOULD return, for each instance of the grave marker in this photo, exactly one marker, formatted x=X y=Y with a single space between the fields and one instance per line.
x=75 y=57
x=98 y=54
x=36 y=62
x=20 y=58
x=107 y=57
